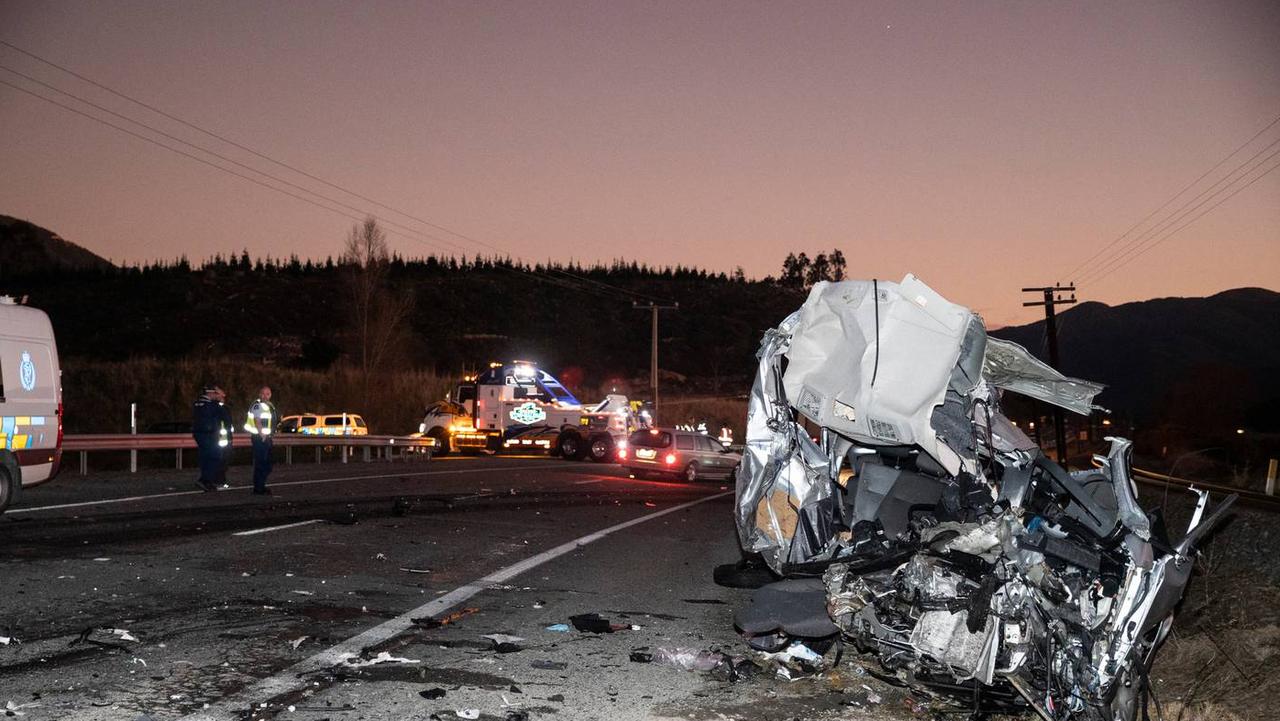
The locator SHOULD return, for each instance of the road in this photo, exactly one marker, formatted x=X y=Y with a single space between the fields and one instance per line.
x=140 y=595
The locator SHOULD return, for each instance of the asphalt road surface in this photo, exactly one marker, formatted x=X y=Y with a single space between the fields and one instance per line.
x=139 y=596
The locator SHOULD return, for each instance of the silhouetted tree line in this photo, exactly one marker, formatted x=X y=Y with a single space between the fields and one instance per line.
x=799 y=271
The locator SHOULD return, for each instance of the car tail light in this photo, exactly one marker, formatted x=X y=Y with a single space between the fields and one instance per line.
x=622 y=454
x=671 y=459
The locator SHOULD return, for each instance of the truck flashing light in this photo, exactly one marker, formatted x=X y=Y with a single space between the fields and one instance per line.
x=523 y=372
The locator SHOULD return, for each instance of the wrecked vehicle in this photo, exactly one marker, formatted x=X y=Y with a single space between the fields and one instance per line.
x=916 y=521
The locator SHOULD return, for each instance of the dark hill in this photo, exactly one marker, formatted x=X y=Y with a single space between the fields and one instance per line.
x=1196 y=362
x=27 y=249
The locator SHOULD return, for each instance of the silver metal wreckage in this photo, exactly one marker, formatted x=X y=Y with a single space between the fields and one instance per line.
x=909 y=517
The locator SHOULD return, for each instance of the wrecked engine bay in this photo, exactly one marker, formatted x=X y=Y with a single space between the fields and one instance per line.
x=913 y=520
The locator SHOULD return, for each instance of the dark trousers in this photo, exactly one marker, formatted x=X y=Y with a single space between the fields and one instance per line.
x=210 y=456
x=261 y=462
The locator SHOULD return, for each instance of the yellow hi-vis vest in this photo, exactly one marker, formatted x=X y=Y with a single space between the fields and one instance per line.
x=260 y=418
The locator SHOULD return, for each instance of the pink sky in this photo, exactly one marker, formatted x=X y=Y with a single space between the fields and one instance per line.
x=982 y=146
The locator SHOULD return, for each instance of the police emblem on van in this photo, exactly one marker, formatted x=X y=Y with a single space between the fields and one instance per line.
x=528 y=413
x=27 y=372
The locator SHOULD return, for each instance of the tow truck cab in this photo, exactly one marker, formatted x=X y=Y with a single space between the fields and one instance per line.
x=517 y=406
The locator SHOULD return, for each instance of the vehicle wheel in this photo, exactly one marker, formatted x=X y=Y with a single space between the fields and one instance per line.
x=601 y=449
x=442 y=441
x=690 y=474
x=571 y=446
x=9 y=486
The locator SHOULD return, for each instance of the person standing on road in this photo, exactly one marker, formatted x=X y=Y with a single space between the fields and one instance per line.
x=211 y=428
x=259 y=424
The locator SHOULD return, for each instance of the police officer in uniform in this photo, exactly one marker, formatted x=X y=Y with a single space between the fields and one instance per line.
x=259 y=424
x=211 y=428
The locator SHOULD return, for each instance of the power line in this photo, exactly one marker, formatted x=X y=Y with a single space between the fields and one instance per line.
x=1175 y=196
x=1268 y=171
x=299 y=171
x=411 y=234
x=523 y=273
x=1141 y=244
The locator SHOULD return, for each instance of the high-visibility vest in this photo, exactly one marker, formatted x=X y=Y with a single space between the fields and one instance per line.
x=260 y=418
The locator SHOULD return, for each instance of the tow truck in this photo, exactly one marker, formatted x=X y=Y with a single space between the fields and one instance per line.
x=517 y=406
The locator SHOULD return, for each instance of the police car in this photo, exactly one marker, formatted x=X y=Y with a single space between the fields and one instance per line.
x=327 y=424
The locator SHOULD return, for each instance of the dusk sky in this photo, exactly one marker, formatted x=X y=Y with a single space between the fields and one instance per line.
x=982 y=146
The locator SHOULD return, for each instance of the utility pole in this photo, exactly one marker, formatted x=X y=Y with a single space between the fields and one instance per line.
x=1052 y=299
x=653 y=356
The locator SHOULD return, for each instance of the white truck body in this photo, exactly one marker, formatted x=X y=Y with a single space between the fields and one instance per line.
x=30 y=400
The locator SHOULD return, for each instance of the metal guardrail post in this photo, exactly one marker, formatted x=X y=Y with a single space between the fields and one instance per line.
x=178 y=454
x=1271 y=476
x=366 y=454
x=84 y=463
x=318 y=449
x=288 y=455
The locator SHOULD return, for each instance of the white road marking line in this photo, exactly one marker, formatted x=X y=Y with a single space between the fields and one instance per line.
x=292 y=678
x=589 y=480
x=174 y=494
x=268 y=529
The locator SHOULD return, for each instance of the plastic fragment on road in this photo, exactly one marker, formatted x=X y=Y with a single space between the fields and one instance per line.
x=688 y=659
x=415 y=570
x=468 y=713
x=504 y=643
x=123 y=634
x=353 y=660
x=594 y=623
x=298 y=642
x=304 y=593
x=546 y=665
x=6 y=640
x=558 y=627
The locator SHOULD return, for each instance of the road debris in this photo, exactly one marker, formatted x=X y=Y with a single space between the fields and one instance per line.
x=558 y=628
x=504 y=643
x=432 y=693
x=468 y=713
x=980 y=572
x=594 y=623
x=432 y=622
x=546 y=665
x=353 y=660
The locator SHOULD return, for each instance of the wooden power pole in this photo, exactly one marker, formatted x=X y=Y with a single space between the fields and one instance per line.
x=653 y=356
x=1051 y=299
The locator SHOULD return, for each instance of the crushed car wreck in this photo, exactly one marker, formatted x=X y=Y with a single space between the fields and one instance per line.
x=911 y=518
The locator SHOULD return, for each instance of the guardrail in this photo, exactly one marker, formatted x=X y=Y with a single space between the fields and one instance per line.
x=379 y=446
x=1151 y=478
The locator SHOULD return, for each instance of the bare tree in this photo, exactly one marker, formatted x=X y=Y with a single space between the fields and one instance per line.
x=377 y=312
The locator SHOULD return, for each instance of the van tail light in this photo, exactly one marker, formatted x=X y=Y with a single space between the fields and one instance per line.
x=671 y=459
x=622 y=454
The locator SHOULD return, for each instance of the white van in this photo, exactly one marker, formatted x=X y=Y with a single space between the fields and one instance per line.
x=30 y=400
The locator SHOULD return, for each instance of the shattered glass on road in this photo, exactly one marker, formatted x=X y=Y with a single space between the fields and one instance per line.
x=930 y=530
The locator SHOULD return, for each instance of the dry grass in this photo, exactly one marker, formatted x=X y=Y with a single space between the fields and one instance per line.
x=97 y=394
x=716 y=412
